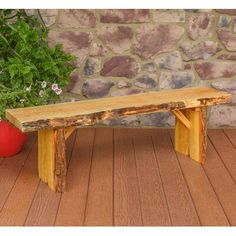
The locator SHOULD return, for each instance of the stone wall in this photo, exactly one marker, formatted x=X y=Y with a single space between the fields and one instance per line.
x=121 y=52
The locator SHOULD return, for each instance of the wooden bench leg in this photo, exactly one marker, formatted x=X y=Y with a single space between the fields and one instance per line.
x=52 y=158
x=191 y=140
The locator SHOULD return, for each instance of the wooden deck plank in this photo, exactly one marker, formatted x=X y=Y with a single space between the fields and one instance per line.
x=72 y=206
x=99 y=207
x=19 y=201
x=10 y=169
x=225 y=149
x=92 y=111
x=205 y=199
x=211 y=187
x=222 y=182
x=179 y=201
x=231 y=134
x=153 y=203
x=127 y=209
x=45 y=205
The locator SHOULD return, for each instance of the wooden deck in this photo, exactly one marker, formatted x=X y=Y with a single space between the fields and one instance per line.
x=124 y=177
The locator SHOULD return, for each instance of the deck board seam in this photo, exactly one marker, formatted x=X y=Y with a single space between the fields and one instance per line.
x=222 y=159
x=185 y=180
x=36 y=190
x=218 y=199
x=163 y=188
x=20 y=170
x=226 y=137
x=138 y=184
x=90 y=170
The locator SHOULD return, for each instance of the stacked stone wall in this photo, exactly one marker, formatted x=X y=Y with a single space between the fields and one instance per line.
x=122 y=52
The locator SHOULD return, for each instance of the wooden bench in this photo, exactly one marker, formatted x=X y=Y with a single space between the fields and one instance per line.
x=56 y=122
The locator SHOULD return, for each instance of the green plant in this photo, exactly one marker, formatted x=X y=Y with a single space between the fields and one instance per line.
x=31 y=72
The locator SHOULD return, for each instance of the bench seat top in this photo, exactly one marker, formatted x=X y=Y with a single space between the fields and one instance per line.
x=89 y=112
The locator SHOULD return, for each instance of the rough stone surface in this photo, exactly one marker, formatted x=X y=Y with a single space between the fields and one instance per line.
x=74 y=86
x=228 y=39
x=74 y=18
x=174 y=49
x=234 y=26
x=224 y=21
x=227 y=11
x=160 y=119
x=216 y=69
x=199 y=50
x=156 y=39
x=124 y=16
x=175 y=79
x=97 y=49
x=198 y=10
x=231 y=57
x=117 y=38
x=92 y=66
x=187 y=67
x=49 y=16
x=150 y=67
x=169 y=16
x=123 y=84
x=146 y=81
x=120 y=66
x=125 y=91
x=76 y=43
x=164 y=119
x=225 y=85
x=200 y=26
x=96 y=88
x=222 y=116
x=172 y=61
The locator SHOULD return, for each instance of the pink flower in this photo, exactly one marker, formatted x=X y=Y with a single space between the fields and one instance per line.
x=54 y=87
x=41 y=93
x=58 y=91
x=44 y=84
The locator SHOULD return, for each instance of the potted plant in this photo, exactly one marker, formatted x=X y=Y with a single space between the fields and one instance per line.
x=31 y=72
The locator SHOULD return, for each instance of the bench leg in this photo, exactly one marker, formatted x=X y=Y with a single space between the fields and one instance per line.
x=191 y=140
x=52 y=158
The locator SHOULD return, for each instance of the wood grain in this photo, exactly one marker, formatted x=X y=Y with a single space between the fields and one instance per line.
x=180 y=204
x=52 y=158
x=90 y=112
x=99 y=207
x=152 y=196
x=127 y=209
x=181 y=142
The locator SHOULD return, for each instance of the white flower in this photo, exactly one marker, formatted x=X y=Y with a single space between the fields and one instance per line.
x=58 y=91
x=41 y=93
x=28 y=89
x=54 y=87
x=44 y=84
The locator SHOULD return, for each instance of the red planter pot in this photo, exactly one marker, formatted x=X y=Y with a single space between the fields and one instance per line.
x=11 y=139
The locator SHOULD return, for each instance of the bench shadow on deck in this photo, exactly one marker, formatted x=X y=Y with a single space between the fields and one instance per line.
x=124 y=177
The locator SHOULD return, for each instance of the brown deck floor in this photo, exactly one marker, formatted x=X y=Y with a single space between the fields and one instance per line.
x=124 y=177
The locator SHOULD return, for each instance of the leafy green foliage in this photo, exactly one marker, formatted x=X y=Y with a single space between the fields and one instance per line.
x=31 y=72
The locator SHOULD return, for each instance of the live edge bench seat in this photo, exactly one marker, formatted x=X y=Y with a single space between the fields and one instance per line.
x=56 y=122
